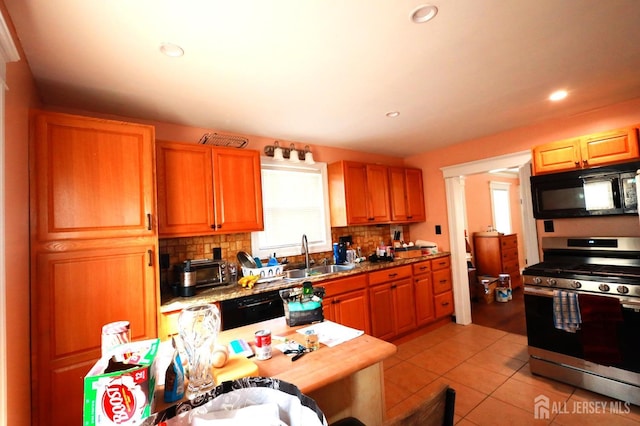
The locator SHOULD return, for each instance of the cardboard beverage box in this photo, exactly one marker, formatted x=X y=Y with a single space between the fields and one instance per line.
x=119 y=388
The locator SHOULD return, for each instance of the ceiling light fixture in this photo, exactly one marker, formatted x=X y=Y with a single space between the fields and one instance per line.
x=558 y=95
x=172 y=50
x=392 y=114
x=424 y=13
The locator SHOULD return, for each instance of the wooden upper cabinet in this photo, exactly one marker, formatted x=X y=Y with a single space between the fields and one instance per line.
x=406 y=194
x=615 y=146
x=95 y=178
x=359 y=193
x=205 y=190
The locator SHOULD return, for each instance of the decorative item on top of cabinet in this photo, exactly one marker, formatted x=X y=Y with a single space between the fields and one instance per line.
x=346 y=301
x=406 y=195
x=442 y=286
x=358 y=193
x=497 y=254
x=615 y=146
x=392 y=302
x=204 y=190
x=93 y=239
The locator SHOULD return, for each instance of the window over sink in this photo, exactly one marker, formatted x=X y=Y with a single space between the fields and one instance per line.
x=295 y=199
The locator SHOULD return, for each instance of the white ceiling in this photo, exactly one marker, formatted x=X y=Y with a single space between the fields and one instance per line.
x=326 y=71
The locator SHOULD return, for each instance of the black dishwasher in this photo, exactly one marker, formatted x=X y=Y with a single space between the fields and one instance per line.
x=251 y=309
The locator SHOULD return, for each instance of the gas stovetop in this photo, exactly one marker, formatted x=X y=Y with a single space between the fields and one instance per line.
x=599 y=265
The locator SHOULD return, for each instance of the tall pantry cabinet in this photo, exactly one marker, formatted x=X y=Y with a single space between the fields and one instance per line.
x=93 y=250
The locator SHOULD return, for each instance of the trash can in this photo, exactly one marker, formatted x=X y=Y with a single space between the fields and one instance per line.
x=274 y=401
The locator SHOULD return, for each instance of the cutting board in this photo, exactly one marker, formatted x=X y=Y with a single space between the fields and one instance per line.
x=236 y=367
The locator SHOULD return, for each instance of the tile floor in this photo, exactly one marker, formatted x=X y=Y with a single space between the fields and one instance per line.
x=489 y=371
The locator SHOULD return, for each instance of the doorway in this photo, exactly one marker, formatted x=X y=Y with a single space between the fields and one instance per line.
x=456 y=206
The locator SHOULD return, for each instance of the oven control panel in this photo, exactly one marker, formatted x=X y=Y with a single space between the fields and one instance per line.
x=582 y=285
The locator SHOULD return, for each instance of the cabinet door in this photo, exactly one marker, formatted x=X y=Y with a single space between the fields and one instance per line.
x=355 y=186
x=185 y=189
x=238 y=190
x=415 y=195
x=404 y=305
x=352 y=309
x=609 y=147
x=425 y=312
x=382 y=311
x=93 y=178
x=441 y=280
x=557 y=156
x=397 y=194
x=444 y=304
x=75 y=293
x=378 y=191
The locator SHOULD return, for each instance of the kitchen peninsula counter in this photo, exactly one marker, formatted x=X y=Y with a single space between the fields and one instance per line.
x=344 y=380
x=234 y=291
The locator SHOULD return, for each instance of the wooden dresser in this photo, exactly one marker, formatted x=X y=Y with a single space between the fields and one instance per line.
x=497 y=254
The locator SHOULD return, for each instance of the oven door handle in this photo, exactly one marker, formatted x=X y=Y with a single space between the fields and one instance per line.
x=535 y=291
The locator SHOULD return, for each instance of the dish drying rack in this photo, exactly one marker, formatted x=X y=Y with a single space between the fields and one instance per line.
x=223 y=140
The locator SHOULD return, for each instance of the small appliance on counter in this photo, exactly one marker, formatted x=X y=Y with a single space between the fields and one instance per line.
x=196 y=274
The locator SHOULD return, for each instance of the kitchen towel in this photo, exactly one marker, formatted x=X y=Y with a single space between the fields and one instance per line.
x=601 y=319
x=566 y=311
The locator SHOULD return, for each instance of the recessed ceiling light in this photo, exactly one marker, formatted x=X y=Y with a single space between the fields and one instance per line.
x=172 y=50
x=424 y=13
x=393 y=114
x=558 y=95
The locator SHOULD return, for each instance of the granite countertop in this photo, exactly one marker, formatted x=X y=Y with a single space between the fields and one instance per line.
x=234 y=291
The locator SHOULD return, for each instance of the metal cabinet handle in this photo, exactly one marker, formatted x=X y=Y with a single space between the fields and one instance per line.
x=150 y=253
x=393 y=275
x=445 y=303
x=149 y=222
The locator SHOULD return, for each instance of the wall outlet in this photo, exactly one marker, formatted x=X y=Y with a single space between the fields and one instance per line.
x=438 y=230
x=548 y=226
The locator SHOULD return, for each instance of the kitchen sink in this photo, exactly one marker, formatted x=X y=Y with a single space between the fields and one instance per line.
x=316 y=271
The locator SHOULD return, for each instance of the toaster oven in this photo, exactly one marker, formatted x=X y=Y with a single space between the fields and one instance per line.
x=200 y=273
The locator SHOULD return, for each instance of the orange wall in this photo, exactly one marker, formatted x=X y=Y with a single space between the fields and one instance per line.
x=20 y=96
x=517 y=140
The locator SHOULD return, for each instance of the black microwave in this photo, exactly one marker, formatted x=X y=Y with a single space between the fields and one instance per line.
x=602 y=191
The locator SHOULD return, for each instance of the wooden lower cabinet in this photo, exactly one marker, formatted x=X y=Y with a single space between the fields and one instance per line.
x=75 y=292
x=169 y=323
x=423 y=290
x=392 y=302
x=442 y=287
x=346 y=302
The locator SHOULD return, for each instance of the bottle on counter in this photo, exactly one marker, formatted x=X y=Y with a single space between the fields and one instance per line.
x=174 y=377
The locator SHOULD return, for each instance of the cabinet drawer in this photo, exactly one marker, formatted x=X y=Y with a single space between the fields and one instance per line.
x=511 y=268
x=343 y=285
x=509 y=255
x=422 y=267
x=390 y=274
x=444 y=304
x=441 y=281
x=509 y=242
x=441 y=263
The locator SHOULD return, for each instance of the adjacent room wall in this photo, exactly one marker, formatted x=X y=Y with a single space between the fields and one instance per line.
x=20 y=95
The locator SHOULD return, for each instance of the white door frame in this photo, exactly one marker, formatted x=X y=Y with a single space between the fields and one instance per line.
x=456 y=215
x=8 y=53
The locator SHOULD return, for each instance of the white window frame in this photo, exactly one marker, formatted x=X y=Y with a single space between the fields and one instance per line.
x=295 y=248
x=501 y=186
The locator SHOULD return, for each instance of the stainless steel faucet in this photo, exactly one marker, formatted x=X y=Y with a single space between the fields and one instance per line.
x=305 y=251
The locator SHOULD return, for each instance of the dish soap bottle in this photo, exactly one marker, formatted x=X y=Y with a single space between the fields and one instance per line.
x=174 y=378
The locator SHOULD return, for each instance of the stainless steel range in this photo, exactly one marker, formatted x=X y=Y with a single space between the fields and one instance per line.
x=582 y=306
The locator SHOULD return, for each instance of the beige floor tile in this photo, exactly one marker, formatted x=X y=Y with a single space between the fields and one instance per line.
x=429 y=340
x=475 y=342
x=626 y=410
x=477 y=378
x=511 y=349
x=462 y=422
x=391 y=361
x=407 y=350
x=585 y=415
x=516 y=338
x=404 y=406
x=466 y=398
x=456 y=349
x=493 y=412
x=525 y=375
x=409 y=376
x=487 y=332
x=394 y=394
x=438 y=362
x=523 y=395
x=496 y=362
